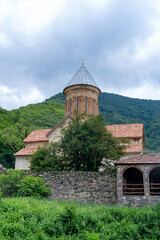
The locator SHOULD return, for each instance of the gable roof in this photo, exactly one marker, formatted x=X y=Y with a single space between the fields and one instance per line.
x=37 y=136
x=140 y=159
x=82 y=76
x=26 y=152
x=41 y=135
x=60 y=123
x=126 y=130
x=134 y=149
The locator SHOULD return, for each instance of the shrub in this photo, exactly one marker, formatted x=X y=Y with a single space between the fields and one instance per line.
x=33 y=186
x=46 y=159
x=0 y=194
x=69 y=222
x=92 y=236
x=9 y=182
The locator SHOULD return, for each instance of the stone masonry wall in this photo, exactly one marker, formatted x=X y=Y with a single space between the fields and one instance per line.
x=94 y=187
x=136 y=200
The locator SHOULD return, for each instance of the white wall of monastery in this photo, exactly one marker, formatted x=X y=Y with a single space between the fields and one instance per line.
x=55 y=135
x=22 y=163
x=35 y=144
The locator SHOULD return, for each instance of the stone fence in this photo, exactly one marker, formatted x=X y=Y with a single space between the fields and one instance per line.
x=93 y=187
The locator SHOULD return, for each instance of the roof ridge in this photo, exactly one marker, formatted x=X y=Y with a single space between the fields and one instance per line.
x=125 y=124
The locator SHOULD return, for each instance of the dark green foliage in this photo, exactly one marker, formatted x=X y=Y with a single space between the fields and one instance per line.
x=6 y=156
x=9 y=182
x=117 y=109
x=83 y=145
x=11 y=141
x=31 y=186
x=16 y=125
x=16 y=183
x=46 y=158
x=86 y=142
x=114 y=108
x=69 y=221
x=0 y=194
x=29 y=218
x=58 y=97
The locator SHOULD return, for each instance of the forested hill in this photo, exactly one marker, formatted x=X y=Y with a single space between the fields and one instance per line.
x=15 y=125
x=117 y=109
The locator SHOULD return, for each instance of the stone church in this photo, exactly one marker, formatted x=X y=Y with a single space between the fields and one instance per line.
x=82 y=94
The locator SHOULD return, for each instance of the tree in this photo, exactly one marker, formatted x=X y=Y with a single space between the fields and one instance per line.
x=11 y=141
x=85 y=143
x=83 y=146
x=46 y=158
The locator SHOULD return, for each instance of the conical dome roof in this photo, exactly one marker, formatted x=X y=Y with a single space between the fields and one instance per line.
x=82 y=76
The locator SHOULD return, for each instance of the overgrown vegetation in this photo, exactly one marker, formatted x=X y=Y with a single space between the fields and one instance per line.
x=16 y=125
x=114 y=108
x=16 y=183
x=46 y=158
x=29 y=218
x=83 y=146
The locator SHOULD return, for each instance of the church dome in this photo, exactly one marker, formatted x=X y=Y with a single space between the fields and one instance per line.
x=82 y=76
x=82 y=94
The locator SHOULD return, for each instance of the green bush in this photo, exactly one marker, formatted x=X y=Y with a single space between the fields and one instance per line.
x=9 y=182
x=0 y=194
x=92 y=236
x=15 y=183
x=30 y=218
x=46 y=159
x=33 y=186
x=69 y=220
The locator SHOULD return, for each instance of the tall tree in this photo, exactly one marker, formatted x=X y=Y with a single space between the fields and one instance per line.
x=11 y=141
x=85 y=143
x=83 y=146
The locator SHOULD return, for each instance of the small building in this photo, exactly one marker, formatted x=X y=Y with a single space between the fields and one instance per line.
x=82 y=94
x=134 y=133
x=138 y=180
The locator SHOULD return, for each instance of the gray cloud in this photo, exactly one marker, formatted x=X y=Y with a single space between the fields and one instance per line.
x=117 y=42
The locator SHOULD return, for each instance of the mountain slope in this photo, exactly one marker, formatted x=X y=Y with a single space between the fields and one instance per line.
x=115 y=109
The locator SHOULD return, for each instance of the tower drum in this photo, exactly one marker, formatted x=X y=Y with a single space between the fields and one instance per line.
x=82 y=94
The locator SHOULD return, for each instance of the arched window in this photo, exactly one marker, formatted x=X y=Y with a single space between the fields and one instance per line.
x=133 y=182
x=70 y=106
x=154 y=181
x=77 y=104
x=86 y=106
x=93 y=107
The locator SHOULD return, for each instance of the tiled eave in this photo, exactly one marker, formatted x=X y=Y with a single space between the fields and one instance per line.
x=25 y=152
x=131 y=149
x=35 y=141
x=140 y=159
x=37 y=136
x=126 y=130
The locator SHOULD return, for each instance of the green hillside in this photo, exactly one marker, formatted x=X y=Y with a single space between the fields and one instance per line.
x=117 y=109
x=15 y=125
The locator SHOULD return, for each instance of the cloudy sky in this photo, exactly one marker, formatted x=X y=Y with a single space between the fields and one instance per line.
x=42 y=44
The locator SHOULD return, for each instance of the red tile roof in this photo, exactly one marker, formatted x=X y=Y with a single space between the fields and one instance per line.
x=134 y=149
x=37 y=136
x=26 y=152
x=126 y=130
x=140 y=159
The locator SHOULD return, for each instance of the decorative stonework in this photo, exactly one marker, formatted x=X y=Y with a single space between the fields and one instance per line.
x=83 y=98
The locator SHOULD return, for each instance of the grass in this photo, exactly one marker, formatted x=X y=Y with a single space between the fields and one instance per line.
x=30 y=218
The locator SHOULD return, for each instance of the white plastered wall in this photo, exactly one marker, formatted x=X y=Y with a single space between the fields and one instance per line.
x=55 y=135
x=22 y=162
